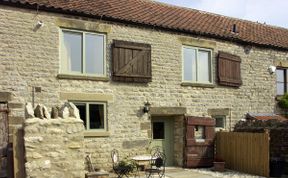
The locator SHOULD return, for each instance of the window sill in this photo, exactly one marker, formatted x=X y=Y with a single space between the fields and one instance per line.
x=96 y=134
x=82 y=77
x=204 y=85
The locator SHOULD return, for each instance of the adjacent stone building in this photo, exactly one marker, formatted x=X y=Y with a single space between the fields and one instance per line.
x=111 y=58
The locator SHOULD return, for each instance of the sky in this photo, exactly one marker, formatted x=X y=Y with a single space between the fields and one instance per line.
x=272 y=12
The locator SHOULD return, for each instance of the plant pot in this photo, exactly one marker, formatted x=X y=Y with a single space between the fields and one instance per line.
x=219 y=166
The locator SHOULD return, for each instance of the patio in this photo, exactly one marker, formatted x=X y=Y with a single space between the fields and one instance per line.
x=175 y=172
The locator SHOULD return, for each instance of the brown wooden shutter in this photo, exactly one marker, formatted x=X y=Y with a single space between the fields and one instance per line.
x=131 y=62
x=229 y=71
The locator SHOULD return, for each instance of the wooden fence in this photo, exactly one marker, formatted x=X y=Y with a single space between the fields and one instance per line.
x=244 y=152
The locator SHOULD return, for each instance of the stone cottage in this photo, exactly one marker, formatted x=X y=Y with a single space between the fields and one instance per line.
x=113 y=58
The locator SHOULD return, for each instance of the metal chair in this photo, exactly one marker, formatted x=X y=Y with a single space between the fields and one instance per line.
x=120 y=170
x=157 y=164
x=89 y=162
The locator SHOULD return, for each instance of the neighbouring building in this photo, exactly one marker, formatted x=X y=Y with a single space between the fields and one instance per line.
x=112 y=58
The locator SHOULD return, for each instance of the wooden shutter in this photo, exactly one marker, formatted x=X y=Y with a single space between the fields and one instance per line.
x=229 y=71
x=131 y=62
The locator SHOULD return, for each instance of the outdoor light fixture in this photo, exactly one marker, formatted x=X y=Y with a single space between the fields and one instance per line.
x=146 y=107
x=272 y=69
x=39 y=24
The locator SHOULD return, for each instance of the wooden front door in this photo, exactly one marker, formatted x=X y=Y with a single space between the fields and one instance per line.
x=199 y=147
x=162 y=136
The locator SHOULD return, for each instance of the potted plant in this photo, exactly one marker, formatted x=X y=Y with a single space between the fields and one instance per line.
x=127 y=164
x=219 y=164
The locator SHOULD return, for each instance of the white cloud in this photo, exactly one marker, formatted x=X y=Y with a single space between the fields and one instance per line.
x=272 y=12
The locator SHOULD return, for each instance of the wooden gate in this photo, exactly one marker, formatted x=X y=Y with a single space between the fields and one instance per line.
x=199 y=148
x=3 y=139
x=244 y=152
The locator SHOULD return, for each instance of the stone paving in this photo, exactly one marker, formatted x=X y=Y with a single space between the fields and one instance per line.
x=174 y=172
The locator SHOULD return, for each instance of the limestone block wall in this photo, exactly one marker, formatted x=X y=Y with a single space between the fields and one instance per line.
x=31 y=58
x=54 y=147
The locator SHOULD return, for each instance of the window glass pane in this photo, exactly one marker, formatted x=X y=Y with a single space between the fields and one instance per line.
x=189 y=64
x=280 y=75
x=199 y=132
x=96 y=112
x=72 y=52
x=82 y=111
x=158 y=130
x=94 y=54
x=220 y=121
x=203 y=66
x=280 y=88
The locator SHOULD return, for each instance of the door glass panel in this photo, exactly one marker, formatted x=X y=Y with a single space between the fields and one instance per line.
x=199 y=133
x=158 y=130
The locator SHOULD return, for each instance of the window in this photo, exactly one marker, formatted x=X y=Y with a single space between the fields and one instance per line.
x=158 y=130
x=220 y=122
x=82 y=53
x=281 y=74
x=199 y=132
x=197 y=65
x=93 y=115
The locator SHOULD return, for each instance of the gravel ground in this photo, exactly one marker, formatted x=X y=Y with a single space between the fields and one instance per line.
x=226 y=174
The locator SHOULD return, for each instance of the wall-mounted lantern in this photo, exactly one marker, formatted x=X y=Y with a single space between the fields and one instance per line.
x=146 y=108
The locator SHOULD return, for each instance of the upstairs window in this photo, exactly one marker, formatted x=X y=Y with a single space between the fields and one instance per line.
x=197 y=65
x=82 y=53
x=281 y=74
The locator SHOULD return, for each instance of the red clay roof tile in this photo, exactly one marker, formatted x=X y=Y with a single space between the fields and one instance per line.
x=161 y=15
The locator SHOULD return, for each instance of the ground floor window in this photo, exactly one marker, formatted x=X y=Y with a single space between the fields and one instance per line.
x=93 y=114
x=220 y=122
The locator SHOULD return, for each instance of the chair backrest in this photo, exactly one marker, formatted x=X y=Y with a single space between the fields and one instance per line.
x=155 y=149
x=90 y=165
x=158 y=159
x=115 y=156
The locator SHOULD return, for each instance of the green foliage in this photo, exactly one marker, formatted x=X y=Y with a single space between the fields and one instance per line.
x=283 y=103
x=128 y=164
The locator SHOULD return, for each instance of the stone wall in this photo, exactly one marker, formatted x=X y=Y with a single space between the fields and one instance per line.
x=179 y=143
x=31 y=58
x=54 y=147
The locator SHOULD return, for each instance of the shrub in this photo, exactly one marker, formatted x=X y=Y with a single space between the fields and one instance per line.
x=283 y=103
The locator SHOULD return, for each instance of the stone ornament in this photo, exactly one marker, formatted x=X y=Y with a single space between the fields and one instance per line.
x=29 y=111
x=67 y=110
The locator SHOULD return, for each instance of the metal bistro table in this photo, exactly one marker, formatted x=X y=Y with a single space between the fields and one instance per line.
x=142 y=161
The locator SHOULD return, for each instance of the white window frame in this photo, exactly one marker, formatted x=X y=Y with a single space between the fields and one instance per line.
x=197 y=58
x=224 y=122
x=88 y=114
x=62 y=30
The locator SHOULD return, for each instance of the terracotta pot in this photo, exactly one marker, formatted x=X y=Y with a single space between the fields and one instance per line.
x=219 y=166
